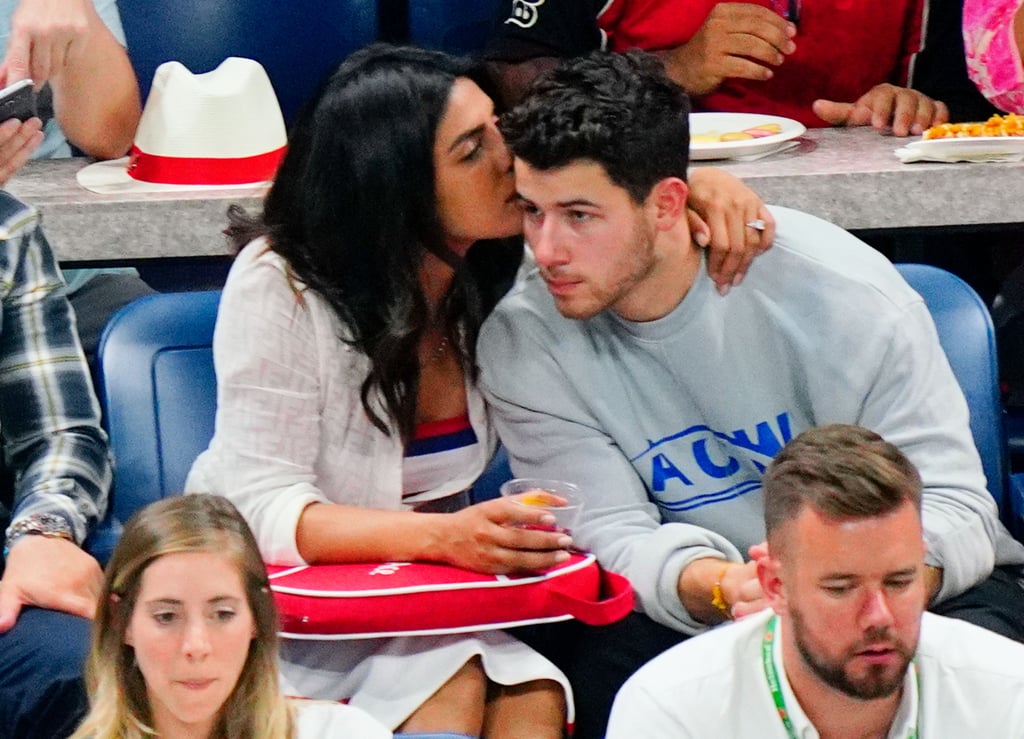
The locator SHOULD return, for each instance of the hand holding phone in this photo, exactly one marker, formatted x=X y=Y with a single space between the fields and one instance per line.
x=20 y=129
x=18 y=100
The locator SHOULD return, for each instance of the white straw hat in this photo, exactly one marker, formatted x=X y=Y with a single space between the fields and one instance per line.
x=215 y=130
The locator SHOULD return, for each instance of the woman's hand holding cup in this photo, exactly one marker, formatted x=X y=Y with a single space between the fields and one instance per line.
x=503 y=536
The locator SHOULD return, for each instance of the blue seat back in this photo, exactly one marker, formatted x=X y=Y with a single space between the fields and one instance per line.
x=159 y=393
x=488 y=485
x=297 y=41
x=968 y=338
x=456 y=27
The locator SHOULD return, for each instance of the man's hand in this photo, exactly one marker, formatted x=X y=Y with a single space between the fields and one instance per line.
x=737 y=40
x=17 y=142
x=95 y=93
x=45 y=36
x=721 y=206
x=738 y=581
x=48 y=573
x=742 y=590
x=886 y=107
x=757 y=552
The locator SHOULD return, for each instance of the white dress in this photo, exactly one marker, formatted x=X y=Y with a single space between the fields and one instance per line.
x=291 y=431
x=324 y=720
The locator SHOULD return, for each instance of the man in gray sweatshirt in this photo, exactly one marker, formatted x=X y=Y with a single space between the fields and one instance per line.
x=615 y=364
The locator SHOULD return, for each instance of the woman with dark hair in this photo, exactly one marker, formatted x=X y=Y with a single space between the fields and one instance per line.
x=349 y=427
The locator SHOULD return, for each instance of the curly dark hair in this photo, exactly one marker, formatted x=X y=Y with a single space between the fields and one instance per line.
x=353 y=207
x=618 y=110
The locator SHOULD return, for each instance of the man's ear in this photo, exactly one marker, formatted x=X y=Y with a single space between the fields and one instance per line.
x=769 y=573
x=667 y=202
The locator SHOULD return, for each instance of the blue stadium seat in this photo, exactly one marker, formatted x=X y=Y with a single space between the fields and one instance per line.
x=298 y=42
x=488 y=485
x=456 y=27
x=158 y=392
x=968 y=338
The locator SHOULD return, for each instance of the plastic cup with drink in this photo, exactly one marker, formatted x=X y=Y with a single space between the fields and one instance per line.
x=561 y=499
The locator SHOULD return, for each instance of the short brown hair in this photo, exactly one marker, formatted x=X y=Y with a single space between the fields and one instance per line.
x=841 y=471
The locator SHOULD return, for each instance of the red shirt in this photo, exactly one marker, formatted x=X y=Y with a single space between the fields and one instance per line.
x=844 y=48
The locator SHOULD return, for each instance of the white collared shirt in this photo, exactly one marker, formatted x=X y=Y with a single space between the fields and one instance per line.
x=713 y=686
x=906 y=715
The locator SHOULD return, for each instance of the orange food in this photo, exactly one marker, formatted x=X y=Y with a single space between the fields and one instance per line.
x=534 y=497
x=998 y=125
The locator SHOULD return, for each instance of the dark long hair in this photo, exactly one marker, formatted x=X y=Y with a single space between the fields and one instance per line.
x=353 y=208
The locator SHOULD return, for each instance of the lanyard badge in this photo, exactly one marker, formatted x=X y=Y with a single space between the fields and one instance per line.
x=771 y=674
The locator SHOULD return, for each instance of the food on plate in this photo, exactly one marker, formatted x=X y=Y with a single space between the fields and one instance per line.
x=998 y=125
x=754 y=132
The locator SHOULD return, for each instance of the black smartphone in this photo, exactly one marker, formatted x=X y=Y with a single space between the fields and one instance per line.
x=18 y=101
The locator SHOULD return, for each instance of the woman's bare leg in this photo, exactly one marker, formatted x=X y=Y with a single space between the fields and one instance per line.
x=457 y=706
x=532 y=710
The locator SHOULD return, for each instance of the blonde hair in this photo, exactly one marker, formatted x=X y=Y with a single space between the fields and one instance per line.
x=119 y=705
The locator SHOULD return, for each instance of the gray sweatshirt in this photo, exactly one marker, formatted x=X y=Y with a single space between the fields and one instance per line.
x=668 y=425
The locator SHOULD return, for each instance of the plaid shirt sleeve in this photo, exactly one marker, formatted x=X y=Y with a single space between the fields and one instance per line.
x=49 y=416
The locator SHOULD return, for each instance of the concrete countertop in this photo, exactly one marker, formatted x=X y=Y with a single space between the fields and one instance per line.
x=848 y=176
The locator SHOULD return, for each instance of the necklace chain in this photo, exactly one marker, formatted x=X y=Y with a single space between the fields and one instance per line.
x=439 y=350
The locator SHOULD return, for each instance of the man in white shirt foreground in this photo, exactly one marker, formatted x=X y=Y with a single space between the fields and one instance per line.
x=846 y=649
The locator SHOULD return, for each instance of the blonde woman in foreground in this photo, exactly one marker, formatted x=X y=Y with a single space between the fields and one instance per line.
x=185 y=642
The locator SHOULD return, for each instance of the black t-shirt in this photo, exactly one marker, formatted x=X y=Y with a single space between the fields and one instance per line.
x=941 y=69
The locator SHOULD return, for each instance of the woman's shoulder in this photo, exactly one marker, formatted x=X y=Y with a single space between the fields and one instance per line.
x=260 y=273
x=263 y=286
x=324 y=720
x=258 y=258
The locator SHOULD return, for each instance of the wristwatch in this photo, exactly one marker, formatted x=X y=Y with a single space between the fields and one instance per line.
x=50 y=525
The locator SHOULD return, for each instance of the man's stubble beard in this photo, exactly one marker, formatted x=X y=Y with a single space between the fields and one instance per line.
x=877 y=683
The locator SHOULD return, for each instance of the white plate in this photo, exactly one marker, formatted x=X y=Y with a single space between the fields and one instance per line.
x=705 y=123
x=969 y=148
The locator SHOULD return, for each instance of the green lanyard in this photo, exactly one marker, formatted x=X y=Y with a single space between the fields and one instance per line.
x=772 y=675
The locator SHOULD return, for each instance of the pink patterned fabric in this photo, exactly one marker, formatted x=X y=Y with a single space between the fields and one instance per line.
x=993 y=59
